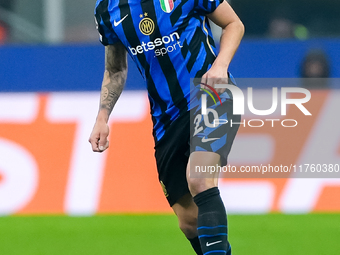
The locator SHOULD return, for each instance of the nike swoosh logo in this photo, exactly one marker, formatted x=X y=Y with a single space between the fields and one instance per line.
x=209 y=244
x=205 y=140
x=116 y=23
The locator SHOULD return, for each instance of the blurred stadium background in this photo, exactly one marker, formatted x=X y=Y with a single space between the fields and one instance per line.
x=57 y=197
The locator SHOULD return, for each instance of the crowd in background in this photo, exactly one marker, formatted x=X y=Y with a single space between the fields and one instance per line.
x=263 y=19
x=5 y=5
x=298 y=19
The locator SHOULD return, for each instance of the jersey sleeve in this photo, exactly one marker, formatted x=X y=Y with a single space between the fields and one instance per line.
x=208 y=6
x=106 y=35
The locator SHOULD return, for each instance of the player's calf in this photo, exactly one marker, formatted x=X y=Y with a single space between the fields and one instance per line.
x=187 y=211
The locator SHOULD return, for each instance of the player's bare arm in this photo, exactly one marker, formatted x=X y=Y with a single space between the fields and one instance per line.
x=112 y=86
x=232 y=33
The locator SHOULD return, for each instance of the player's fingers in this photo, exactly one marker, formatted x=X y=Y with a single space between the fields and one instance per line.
x=223 y=82
x=102 y=147
x=210 y=81
x=94 y=143
x=103 y=142
x=106 y=145
x=220 y=90
x=204 y=81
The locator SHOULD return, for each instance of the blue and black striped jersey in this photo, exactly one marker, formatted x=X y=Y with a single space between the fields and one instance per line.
x=170 y=42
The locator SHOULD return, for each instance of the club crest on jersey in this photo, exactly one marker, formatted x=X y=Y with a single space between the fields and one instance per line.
x=146 y=26
x=167 y=5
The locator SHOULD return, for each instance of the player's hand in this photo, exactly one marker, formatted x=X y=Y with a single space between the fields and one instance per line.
x=99 y=135
x=215 y=75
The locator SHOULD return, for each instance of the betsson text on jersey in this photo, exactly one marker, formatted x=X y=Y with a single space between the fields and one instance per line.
x=171 y=39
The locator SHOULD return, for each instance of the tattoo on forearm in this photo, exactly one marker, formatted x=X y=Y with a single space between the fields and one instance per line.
x=111 y=90
x=114 y=76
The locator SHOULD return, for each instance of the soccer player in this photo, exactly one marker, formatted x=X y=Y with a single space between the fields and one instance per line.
x=171 y=42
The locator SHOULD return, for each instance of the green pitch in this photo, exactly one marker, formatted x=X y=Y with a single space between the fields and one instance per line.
x=158 y=234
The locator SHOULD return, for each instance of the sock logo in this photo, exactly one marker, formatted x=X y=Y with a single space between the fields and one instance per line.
x=209 y=244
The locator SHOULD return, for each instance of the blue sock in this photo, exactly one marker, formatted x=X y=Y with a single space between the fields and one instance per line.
x=212 y=223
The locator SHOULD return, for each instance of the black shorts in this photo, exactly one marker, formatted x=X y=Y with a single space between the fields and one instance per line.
x=216 y=131
x=173 y=150
x=172 y=154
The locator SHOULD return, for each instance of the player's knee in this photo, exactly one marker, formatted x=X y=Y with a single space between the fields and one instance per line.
x=198 y=185
x=189 y=227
